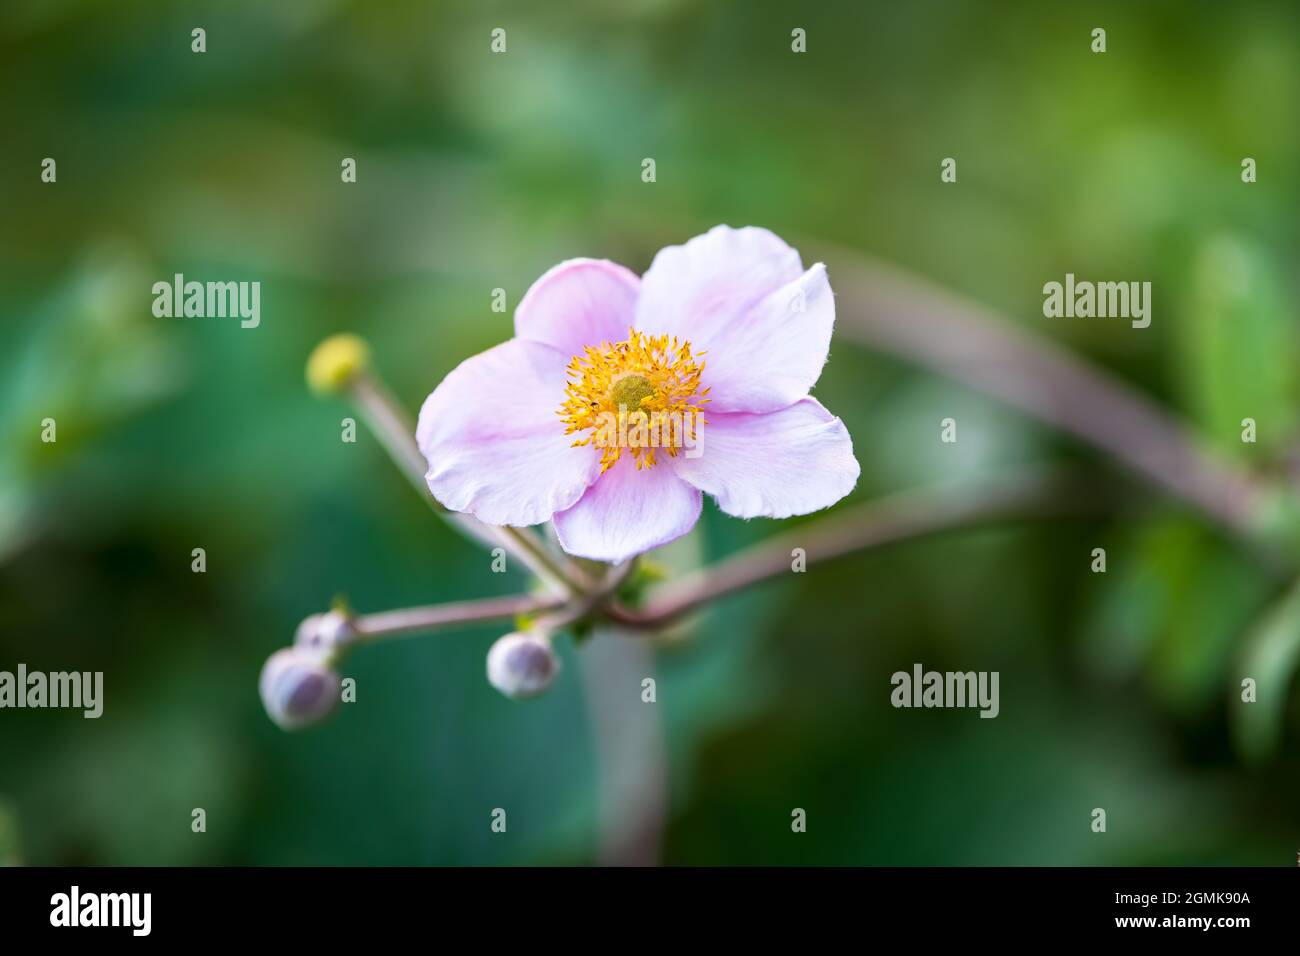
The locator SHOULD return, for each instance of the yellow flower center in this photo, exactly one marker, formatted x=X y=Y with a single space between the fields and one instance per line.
x=630 y=390
x=640 y=394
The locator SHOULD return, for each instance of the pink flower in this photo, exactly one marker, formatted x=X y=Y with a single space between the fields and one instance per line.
x=621 y=400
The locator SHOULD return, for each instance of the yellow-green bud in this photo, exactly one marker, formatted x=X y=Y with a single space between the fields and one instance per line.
x=336 y=362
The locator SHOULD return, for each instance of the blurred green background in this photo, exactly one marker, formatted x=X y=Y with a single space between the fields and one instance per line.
x=478 y=171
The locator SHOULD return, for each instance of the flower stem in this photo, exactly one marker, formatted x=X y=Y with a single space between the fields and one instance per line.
x=631 y=751
x=562 y=576
x=896 y=518
x=598 y=595
x=414 y=620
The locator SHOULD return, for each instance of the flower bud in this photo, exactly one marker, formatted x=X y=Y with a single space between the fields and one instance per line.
x=298 y=689
x=325 y=634
x=522 y=665
x=336 y=362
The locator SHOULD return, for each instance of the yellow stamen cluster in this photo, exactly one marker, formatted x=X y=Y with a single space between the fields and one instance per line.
x=640 y=394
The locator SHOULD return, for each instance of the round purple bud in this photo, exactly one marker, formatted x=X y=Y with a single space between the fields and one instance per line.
x=298 y=689
x=522 y=665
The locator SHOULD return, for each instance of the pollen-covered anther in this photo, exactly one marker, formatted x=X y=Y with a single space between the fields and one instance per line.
x=640 y=394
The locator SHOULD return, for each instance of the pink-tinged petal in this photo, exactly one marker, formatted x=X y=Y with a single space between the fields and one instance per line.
x=771 y=357
x=578 y=303
x=742 y=297
x=774 y=465
x=629 y=512
x=495 y=445
x=696 y=290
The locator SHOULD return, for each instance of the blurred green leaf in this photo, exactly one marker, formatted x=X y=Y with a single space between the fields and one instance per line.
x=1270 y=657
x=1174 y=601
x=1240 y=347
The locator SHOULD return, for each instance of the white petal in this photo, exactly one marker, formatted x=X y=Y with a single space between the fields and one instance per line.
x=579 y=303
x=495 y=442
x=774 y=465
x=628 y=512
x=743 y=297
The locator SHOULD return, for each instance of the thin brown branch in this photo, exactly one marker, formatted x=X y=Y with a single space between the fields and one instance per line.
x=415 y=620
x=903 y=516
x=893 y=311
x=581 y=605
